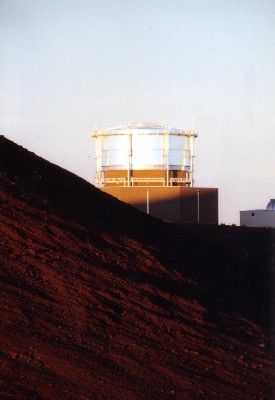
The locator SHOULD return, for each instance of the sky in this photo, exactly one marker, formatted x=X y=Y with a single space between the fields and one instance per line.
x=71 y=66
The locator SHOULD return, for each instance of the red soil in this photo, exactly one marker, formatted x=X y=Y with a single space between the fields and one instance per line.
x=100 y=301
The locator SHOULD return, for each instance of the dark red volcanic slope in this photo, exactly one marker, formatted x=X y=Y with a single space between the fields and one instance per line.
x=100 y=301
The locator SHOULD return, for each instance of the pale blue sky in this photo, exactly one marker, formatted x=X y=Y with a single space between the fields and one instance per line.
x=68 y=66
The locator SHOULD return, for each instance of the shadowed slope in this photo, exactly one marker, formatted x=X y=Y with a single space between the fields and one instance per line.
x=100 y=301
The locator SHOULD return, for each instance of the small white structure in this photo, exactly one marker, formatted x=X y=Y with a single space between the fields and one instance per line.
x=259 y=218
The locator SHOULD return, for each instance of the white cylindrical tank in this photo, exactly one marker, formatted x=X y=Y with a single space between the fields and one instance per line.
x=140 y=150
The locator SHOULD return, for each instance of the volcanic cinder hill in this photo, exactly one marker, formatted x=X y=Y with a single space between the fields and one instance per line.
x=100 y=301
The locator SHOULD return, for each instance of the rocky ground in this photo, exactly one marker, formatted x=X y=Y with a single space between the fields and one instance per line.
x=100 y=301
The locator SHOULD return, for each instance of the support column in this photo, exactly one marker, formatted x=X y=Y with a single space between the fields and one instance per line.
x=192 y=156
x=129 y=157
x=166 y=152
x=198 y=206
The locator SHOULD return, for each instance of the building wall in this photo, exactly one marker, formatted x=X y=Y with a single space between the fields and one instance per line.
x=175 y=204
x=258 y=218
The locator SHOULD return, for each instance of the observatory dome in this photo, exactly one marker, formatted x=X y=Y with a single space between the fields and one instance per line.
x=271 y=205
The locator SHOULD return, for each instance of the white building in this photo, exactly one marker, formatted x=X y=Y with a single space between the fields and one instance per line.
x=259 y=218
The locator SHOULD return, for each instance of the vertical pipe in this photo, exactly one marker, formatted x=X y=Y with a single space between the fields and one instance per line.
x=105 y=149
x=191 y=138
x=163 y=151
x=185 y=149
x=100 y=175
x=147 y=201
x=129 y=158
x=167 y=156
x=98 y=159
x=198 y=205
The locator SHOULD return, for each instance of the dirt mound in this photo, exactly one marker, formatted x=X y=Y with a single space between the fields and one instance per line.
x=100 y=301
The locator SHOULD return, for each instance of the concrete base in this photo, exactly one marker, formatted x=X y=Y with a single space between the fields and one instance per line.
x=173 y=204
